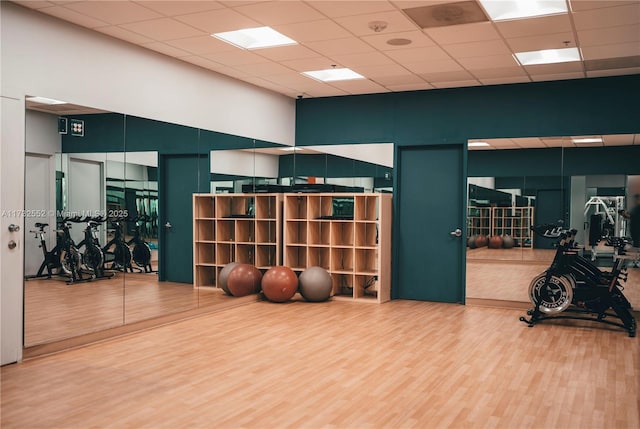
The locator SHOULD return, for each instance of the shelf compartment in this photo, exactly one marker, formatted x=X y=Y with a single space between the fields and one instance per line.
x=366 y=234
x=296 y=257
x=228 y=206
x=319 y=206
x=224 y=253
x=266 y=256
x=296 y=207
x=205 y=253
x=266 y=207
x=266 y=231
x=319 y=257
x=366 y=286
x=319 y=233
x=245 y=254
x=366 y=261
x=342 y=259
x=205 y=207
x=342 y=284
x=245 y=231
x=341 y=233
x=225 y=230
x=296 y=232
x=205 y=276
x=366 y=207
x=205 y=230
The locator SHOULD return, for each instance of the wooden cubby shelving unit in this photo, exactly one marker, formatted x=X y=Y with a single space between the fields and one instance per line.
x=489 y=221
x=243 y=228
x=478 y=220
x=355 y=250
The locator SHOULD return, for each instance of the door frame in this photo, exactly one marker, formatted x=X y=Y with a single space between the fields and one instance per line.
x=397 y=198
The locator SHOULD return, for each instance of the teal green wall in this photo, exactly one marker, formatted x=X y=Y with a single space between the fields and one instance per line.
x=325 y=165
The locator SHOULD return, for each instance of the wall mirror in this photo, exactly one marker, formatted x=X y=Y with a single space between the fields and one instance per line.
x=513 y=184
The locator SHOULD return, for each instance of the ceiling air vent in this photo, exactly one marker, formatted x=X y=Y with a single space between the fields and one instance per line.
x=612 y=63
x=443 y=15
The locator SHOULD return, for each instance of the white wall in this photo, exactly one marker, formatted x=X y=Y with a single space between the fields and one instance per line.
x=41 y=55
x=244 y=163
x=375 y=153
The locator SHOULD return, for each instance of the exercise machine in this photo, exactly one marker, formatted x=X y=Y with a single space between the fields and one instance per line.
x=120 y=256
x=574 y=288
x=92 y=256
x=141 y=252
x=605 y=220
x=51 y=259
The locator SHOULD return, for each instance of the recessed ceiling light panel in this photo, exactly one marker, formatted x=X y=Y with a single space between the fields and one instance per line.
x=478 y=144
x=255 y=38
x=333 y=74
x=502 y=10
x=586 y=140
x=548 y=56
x=44 y=100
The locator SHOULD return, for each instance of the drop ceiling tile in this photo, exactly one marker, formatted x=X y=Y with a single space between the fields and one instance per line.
x=581 y=5
x=359 y=24
x=505 y=80
x=282 y=53
x=234 y=58
x=293 y=80
x=488 y=62
x=456 y=84
x=418 y=40
x=618 y=139
x=534 y=26
x=182 y=7
x=500 y=143
x=166 y=49
x=610 y=35
x=162 y=29
x=616 y=72
x=530 y=142
x=202 y=62
x=217 y=21
x=409 y=87
x=335 y=9
x=74 y=17
x=313 y=31
x=280 y=12
x=554 y=141
x=263 y=69
x=123 y=34
x=365 y=59
x=309 y=64
x=432 y=53
x=432 y=66
x=350 y=45
x=359 y=86
x=401 y=79
x=451 y=76
x=611 y=51
x=478 y=49
x=385 y=70
x=499 y=72
x=34 y=4
x=606 y=17
x=556 y=76
x=324 y=91
x=271 y=86
x=201 y=45
x=544 y=41
x=466 y=33
x=114 y=12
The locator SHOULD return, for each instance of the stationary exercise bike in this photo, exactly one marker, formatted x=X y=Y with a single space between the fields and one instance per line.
x=51 y=260
x=141 y=252
x=121 y=253
x=92 y=256
x=575 y=287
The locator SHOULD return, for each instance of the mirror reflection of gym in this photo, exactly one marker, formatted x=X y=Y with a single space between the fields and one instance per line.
x=569 y=192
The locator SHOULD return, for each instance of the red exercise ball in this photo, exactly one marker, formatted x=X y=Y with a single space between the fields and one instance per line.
x=481 y=240
x=495 y=242
x=244 y=279
x=279 y=284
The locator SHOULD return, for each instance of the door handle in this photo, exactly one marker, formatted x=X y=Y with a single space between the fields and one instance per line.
x=168 y=225
x=456 y=233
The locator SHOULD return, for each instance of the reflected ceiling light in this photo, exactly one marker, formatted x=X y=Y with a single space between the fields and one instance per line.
x=255 y=38
x=548 y=56
x=292 y=149
x=586 y=140
x=333 y=74
x=44 y=100
x=478 y=144
x=501 y=10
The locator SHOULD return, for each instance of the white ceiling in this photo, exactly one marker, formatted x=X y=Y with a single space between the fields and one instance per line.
x=337 y=33
x=567 y=142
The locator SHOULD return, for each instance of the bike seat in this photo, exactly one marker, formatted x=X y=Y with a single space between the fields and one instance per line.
x=41 y=225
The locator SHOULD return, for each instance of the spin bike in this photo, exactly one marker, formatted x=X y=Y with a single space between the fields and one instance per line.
x=121 y=253
x=141 y=252
x=92 y=256
x=575 y=287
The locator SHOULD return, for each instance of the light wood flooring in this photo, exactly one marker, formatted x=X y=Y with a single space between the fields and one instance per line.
x=403 y=364
x=55 y=310
x=500 y=274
